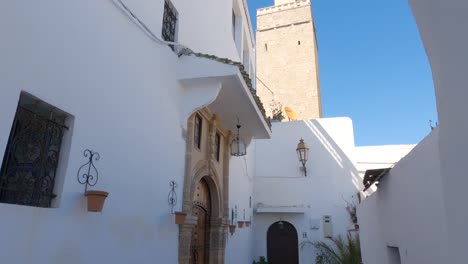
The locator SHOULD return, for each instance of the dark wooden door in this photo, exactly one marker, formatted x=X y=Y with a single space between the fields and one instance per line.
x=200 y=245
x=282 y=244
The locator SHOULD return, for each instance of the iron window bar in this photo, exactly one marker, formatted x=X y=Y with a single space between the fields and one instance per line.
x=27 y=174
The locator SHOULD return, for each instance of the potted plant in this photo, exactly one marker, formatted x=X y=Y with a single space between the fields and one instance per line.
x=180 y=217
x=247 y=223
x=88 y=175
x=96 y=200
x=240 y=224
x=232 y=229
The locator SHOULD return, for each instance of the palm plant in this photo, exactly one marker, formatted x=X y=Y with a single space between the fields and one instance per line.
x=340 y=251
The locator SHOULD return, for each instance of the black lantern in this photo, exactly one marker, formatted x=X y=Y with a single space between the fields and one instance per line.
x=303 y=154
x=238 y=147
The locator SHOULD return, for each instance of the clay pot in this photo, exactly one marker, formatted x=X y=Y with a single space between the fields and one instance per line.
x=232 y=229
x=240 y=224
x=96 y=200
x=247 y=223
x=180 y=217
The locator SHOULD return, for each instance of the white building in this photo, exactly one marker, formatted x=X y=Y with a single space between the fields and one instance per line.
x=313 y=204
x=100 y=73
x=417 y=213
x=112 y=76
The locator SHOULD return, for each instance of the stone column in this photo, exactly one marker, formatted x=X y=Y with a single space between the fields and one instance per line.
x=218 y=232
x=185 y=239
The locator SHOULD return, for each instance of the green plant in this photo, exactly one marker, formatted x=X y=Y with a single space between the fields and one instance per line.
x=261 y=261
x=340 y=250
x=277 y=111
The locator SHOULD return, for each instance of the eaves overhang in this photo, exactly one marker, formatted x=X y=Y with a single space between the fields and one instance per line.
x=280 y=209
x=223 y=89
x=374 y=176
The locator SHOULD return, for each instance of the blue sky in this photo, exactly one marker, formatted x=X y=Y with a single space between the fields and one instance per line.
x=373 y=68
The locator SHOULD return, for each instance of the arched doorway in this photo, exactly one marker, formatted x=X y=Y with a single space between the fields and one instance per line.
x=282 y=244
x=200 y=245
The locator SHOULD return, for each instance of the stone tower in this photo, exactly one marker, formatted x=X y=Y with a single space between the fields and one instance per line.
x=287 y=61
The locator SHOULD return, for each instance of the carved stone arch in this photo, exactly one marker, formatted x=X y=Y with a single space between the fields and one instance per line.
x=211 y=178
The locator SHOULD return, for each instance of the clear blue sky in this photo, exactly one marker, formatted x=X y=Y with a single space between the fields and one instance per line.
x=373 y=68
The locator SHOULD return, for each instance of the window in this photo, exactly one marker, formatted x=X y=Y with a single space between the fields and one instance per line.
x=217 y=146
x=393 y=255
x=233 y=25
x=198 y=131
x=298 y=42
x=266 y=47
x=27 y=174
x=169 y=23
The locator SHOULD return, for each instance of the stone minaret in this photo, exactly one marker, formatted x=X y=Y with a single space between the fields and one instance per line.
x=287 y=62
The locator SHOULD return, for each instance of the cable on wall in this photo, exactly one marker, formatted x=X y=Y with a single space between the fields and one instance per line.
x=124 y=8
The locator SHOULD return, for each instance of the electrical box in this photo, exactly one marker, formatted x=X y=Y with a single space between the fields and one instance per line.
x=327 y=226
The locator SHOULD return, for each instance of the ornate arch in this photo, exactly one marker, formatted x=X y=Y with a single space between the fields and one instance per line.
x=203 y=171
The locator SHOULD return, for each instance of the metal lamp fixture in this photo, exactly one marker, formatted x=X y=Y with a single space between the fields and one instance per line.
x=238 y=147
x=303 y=154
x=281 y=224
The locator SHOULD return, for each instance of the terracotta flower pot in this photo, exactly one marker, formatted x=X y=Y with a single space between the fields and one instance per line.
x=180 y=217
x=96 y=200
x=232 y=229
x=247 y=223
x=240 y=224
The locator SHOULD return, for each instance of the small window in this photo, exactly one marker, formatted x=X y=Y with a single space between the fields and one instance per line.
x=298 y=42
x=394 y=255
x=198 y=131
x=266 y=47
x=233 y=25
x=28 y=171
x=217 y=146
x=169 y=26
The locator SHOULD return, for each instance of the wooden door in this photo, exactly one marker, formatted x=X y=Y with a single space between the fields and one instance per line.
x=282 y=244
x=200 y=245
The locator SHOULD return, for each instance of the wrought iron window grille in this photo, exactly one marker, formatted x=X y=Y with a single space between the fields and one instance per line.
x=217 y=146
x=28 y=171
x=198 y=131
x=169 y=26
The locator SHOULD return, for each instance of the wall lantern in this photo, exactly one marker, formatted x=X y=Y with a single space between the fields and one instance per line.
x=238 y=147
x=303 y=154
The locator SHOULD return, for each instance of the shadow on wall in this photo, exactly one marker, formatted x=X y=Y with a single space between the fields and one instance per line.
x=335 y=151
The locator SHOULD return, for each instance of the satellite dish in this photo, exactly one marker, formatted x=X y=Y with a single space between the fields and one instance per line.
x=290 y=113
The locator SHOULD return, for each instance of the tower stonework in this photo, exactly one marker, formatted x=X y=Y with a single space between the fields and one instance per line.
x=287 y=59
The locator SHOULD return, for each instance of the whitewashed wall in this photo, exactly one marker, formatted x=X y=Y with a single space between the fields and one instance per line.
x=407 y=211
x=88 y=59
x=442 y=25
x=331 y=178
x=239 y=248
x=378 y=157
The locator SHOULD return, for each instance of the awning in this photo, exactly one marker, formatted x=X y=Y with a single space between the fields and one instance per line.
x=373 y=176
x=223 y=89
x=280 y=209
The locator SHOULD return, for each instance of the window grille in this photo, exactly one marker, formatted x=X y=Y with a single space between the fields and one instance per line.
x=198 y=131
x=28 y=171
x=233 y=25
x=169 y=23
x=217 y=146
